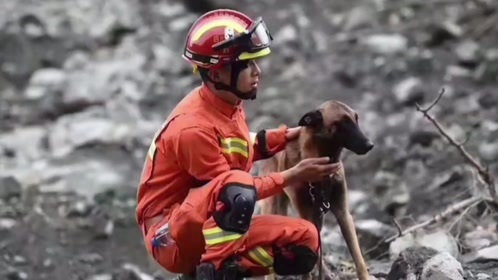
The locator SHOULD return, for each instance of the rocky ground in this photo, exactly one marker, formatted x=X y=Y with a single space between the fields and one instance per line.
x=85 y=83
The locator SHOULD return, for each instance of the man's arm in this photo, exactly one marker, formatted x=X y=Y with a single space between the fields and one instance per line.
x=198 y=151
x=268 y=142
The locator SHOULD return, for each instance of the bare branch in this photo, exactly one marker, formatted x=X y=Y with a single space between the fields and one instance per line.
x=448 y=211
x=398 y=226
x=483 y=171
x=426 y=110
x=464 y=212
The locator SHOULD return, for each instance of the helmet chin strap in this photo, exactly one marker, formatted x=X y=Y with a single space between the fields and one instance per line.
x=251 y=95
x=236 y=68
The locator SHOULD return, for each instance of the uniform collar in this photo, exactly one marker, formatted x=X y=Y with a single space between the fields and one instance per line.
x=219 y=104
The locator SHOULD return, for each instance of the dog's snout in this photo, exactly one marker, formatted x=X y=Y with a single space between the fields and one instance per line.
x=364 y=148
x=369 y=145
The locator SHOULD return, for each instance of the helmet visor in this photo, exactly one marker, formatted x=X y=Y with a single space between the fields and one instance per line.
x=257 y=37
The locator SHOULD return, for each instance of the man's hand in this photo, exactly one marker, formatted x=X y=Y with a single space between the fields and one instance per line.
x=311 y=169
x=292 y=133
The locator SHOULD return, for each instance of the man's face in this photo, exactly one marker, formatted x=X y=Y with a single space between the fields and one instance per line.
x=248 y=78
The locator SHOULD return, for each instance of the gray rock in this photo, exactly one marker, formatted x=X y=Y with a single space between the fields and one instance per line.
x=286 y=34
x=487 y=71
x=420 y=61
x=370 y=235
x=9 y=188
x=479 y=238
x=102 y=224
x=165 y=57
x=481 y=276
x=442 y=31
x=468 y=52
x=410 y=263
x=415 y=173
x=97 y=21
x=89 y=127
x=391 y=193
x=21 y=55
x=457 y=132
x=19 y=260
x=7 y=223
x=358 y=202
x=379 y=268
x=488 y=151
x=426 y=263
x=488 y=100
x=409 y=91
x=333 y=242
x=14 y=274
x=360 y=16
x=48 y=263
x=90 y=258
x=423 y=137
x=442 y=267
x=455 y=71
x=294 y=71
x=468 y=274
x=438 y=240
x=449 y=178
x=386 y=43
x=45 y=83
x=182 y=23
x=467 y=105
x=101 y=277
x=484 y=254
x=78 y=209
x=136 y=272
x=27 y=144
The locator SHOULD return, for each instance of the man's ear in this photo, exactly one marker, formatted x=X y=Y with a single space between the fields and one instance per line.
x=312 y=118
x=222 y=74
x=214 y=75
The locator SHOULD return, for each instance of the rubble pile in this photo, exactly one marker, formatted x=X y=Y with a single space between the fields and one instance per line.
x=84 y=84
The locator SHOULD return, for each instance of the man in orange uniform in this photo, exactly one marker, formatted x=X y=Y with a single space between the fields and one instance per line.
x=196 y=198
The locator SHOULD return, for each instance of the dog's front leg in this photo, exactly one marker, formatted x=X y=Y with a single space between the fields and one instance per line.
x=302 y=201
x=339 y=207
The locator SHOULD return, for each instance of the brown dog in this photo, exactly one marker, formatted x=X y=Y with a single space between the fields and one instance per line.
x=326 y=132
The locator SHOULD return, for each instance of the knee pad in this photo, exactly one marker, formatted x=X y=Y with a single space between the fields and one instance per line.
x=295 y=260
x=239 y=201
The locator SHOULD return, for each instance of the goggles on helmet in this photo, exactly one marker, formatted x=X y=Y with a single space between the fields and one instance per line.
x=257 y=37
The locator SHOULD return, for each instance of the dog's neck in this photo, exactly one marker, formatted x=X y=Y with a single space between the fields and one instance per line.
x=311 y=145
x=327 y=147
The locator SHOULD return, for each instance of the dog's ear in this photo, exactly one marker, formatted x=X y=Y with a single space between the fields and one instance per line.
x=312 y=118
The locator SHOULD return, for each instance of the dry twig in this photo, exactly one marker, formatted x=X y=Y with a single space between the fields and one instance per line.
x=464 y=212
x=467 y=203
x=483 y=172
x=398 y=226
x=448 y=211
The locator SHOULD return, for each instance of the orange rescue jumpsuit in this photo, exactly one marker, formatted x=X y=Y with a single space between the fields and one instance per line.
x=203 y=145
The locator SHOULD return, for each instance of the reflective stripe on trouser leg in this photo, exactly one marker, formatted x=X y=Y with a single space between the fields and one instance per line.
x=216 y=235
x=261 y=256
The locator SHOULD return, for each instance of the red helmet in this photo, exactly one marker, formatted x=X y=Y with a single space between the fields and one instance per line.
x=223 y=36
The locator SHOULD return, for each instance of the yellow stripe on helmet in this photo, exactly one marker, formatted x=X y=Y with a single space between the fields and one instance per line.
x=217 y=23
